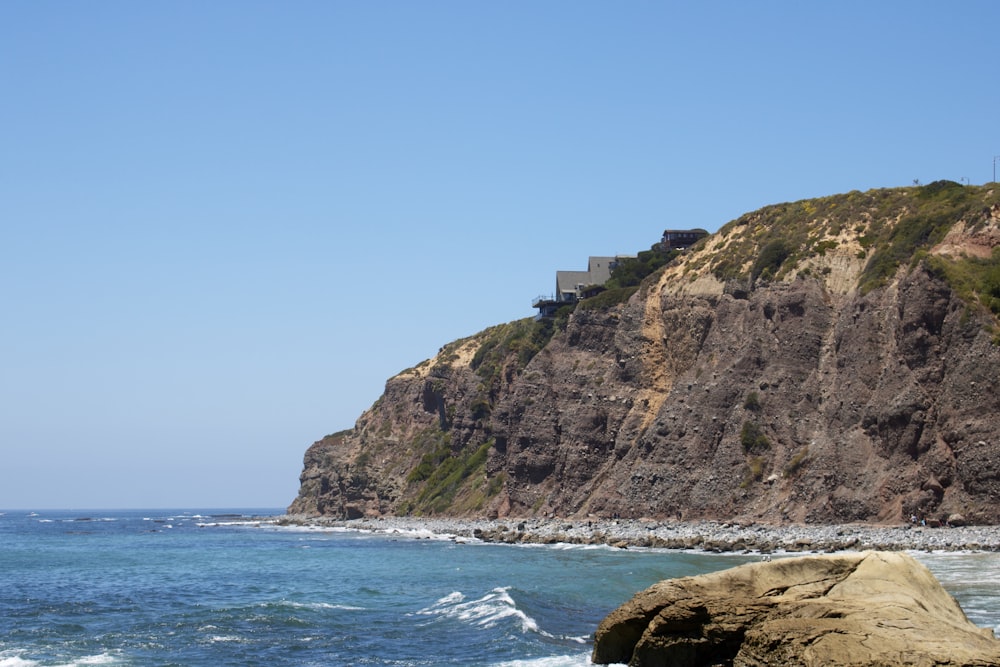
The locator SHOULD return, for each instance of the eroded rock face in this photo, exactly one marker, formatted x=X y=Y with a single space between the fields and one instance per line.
x=869 y=608
x=874 y=407
x=799 y=400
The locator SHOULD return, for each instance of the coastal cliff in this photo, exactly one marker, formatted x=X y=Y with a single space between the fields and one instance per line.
x=826 y=361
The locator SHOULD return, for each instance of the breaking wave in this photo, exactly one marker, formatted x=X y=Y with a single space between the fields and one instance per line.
x=16 y=658
x=495 y=607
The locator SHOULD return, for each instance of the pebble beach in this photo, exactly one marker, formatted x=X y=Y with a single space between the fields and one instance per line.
x=708 y=536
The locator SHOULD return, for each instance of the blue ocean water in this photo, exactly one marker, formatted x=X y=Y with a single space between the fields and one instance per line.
x=215 y=588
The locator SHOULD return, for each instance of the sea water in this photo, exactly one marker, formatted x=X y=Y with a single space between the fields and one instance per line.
x=214 y=588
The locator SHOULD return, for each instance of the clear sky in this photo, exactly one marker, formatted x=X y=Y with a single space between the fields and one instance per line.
x=224 y=225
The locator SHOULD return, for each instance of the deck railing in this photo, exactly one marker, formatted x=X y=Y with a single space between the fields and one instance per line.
x=541 y=299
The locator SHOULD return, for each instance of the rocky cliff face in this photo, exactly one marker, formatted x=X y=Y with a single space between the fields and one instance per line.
x=825 y=361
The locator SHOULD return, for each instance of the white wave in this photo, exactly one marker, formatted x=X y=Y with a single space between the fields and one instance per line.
x=392 y=531
x=572 y=546
x=218 y=524
x=485 y=612
x=320 y=605
x=580 y=660
x=15 y=659
x=412 y=533
x=294 y=528
x=101 y=659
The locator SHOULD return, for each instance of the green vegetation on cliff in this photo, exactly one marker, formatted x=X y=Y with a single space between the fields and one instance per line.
x=608 y=298
x=505 y=350
x=974 y=279
x=451 y=472
x=924 y=219
x=627 y=277
x=631 y=272
x=894 y=227
x=448 y=480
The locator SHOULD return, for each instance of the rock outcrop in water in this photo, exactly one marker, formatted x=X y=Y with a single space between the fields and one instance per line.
x=826 y=361
x=870 y=608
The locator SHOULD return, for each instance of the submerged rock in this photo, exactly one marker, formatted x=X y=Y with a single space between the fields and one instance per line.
x=868 y=608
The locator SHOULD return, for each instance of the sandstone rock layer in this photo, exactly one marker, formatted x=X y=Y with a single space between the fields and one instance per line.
x=860 y=609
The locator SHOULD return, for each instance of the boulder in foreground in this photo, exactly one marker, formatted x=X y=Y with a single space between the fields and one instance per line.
x=868 y=608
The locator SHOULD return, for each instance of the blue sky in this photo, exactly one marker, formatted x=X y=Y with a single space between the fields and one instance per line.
x=224 y=225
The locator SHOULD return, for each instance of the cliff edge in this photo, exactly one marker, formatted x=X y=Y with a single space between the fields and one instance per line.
x=826 y=361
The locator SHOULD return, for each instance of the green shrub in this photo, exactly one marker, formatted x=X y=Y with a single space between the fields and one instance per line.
x=437 y=447
x=448 y=477
x=561 y=319
x=428 y=463
x=753 y=439
x=495 y=485
x=754 y=471
x=516 y=342
x=481 y=408
x=975 y=280
x=771 y=257
x=893 y=224
x=796 y=462
x=752 y=402
x=821 y=247
x=631 y=272
x=608 y=298
x=939 y=205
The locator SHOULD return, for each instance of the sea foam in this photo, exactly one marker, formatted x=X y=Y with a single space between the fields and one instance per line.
x=16 y=659
x=484 y=612
x=581 y=660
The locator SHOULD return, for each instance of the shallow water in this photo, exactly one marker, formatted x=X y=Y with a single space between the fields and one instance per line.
x=206 y=588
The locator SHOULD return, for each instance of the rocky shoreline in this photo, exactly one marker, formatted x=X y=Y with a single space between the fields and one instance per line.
x=708 y=536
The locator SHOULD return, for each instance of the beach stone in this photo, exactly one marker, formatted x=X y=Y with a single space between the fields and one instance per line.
x=868 y=608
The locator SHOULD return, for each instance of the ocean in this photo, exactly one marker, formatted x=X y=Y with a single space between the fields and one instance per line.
x=210 y=588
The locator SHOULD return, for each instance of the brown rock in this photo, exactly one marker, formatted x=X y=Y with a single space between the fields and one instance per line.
x=866 y=405
x=869 y=608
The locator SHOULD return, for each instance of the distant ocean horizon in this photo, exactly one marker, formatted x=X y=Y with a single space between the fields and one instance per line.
x=200 y=587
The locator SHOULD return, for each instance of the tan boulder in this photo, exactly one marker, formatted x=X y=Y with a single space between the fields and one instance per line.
x=868 y=608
